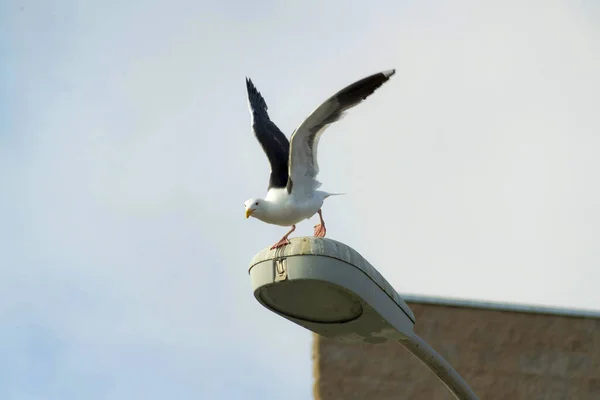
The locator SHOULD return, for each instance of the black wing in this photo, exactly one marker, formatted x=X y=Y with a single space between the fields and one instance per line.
x=274 y=143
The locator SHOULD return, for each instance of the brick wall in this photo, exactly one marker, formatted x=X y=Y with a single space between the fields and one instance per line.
x=501 y=354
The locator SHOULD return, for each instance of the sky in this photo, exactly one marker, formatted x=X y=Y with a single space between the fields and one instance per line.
x=126 y=155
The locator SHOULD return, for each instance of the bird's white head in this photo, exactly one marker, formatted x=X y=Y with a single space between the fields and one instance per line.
x=253 y=206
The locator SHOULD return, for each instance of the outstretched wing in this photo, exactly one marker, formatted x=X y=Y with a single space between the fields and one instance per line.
x=303 y=166
x=274 y=143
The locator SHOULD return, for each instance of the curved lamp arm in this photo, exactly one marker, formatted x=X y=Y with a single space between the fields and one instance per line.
x=436 y=363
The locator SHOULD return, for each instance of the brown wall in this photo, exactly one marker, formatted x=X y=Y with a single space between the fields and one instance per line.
x=501 y=354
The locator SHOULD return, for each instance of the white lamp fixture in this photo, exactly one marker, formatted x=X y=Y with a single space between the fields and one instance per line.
x=329 y=288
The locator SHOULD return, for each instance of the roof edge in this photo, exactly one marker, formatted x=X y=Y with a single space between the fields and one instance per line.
x=500 y=306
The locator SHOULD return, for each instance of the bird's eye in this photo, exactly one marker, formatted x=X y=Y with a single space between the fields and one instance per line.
x=256 y=203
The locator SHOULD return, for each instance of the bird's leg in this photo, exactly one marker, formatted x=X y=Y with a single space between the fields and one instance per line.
x=320 y=228
x=284 y=240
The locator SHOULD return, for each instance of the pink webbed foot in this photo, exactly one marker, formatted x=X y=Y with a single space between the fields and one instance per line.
x=281 y=243
x=320 y=230
x=284 y=240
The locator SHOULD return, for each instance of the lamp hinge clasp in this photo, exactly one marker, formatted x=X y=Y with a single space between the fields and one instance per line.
x=280 y=269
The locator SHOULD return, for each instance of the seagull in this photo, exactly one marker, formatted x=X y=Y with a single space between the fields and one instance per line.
x=292 y=194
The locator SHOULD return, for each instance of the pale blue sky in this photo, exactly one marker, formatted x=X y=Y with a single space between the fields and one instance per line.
x=126 y=156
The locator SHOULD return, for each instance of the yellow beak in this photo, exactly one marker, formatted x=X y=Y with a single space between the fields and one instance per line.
x=249 y=212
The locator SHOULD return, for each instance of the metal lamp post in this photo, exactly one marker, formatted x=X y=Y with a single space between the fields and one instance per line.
x=330 y=289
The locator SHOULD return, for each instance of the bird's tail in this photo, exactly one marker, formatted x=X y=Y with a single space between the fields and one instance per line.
x=334 y=194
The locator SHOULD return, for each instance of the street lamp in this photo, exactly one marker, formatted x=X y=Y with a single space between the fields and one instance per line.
x=330 y=289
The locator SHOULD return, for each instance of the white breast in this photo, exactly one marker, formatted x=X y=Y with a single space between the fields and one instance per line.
x=286 y=210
